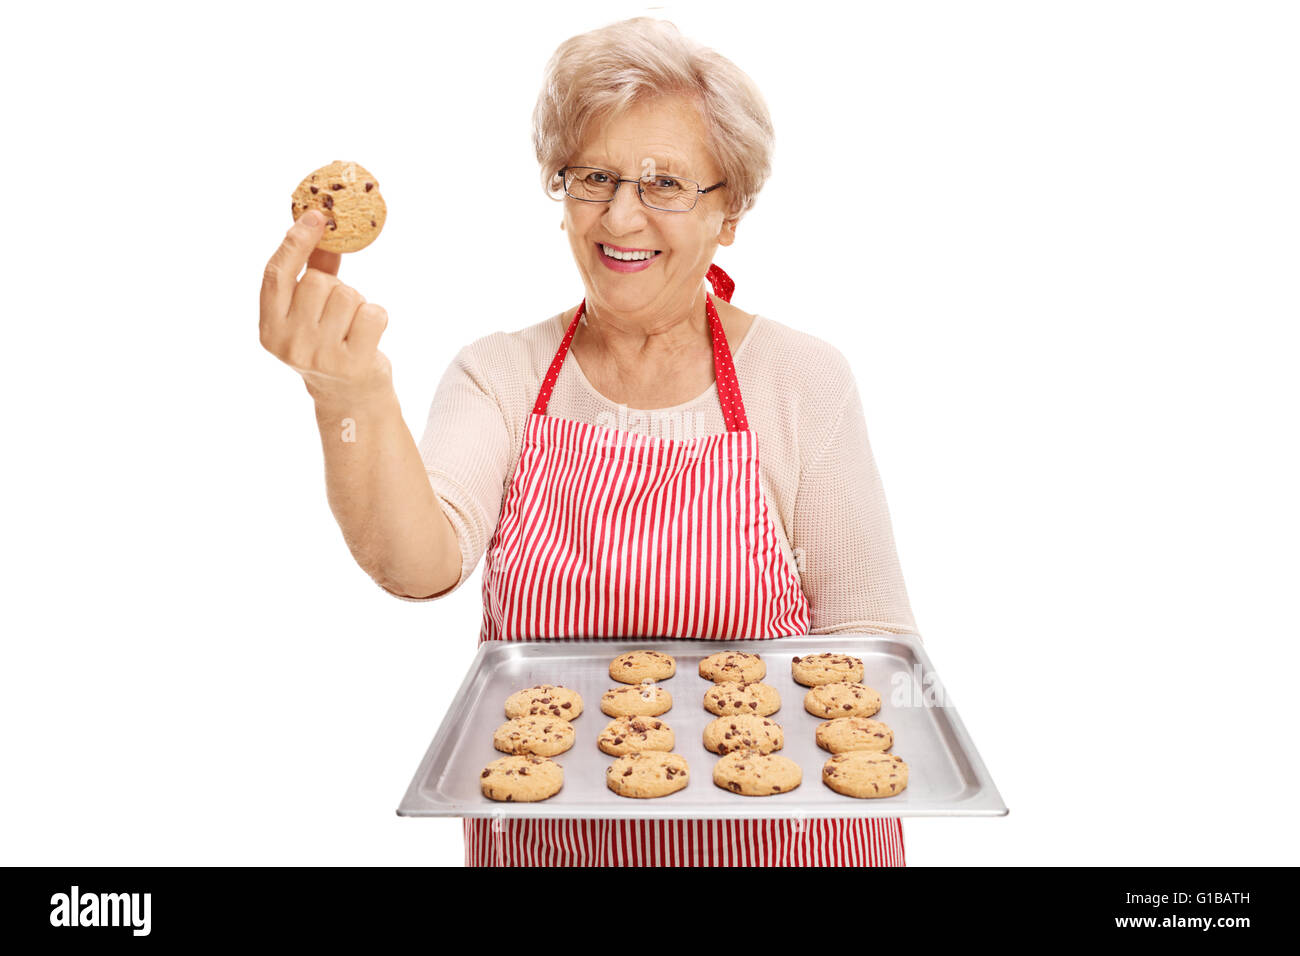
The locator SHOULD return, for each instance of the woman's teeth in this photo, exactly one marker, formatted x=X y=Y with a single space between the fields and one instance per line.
x=626 y=256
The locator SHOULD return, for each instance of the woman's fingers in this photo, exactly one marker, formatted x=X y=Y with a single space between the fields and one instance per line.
x=340 y=307
x=279 y=279
x=327 y=262
x=319 y=326
x=367 y=326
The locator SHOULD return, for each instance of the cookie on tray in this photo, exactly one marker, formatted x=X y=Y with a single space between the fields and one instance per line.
x=521 y=779
x=865 y=774
x=540 y=734
x=647 y=774
x=734 y=697
x=743 y=732
x=846 y=734
x=643 y=700
x=841 y=700
x=637 y=666
x=348 y=197
x=627 y=735
x=826 y=669
x=547 y=699
x=753 y=774
x=733 y=666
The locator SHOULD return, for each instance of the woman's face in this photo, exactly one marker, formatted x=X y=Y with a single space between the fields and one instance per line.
x=670 y=133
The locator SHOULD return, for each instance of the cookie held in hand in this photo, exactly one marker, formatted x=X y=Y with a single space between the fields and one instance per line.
x=348 y=196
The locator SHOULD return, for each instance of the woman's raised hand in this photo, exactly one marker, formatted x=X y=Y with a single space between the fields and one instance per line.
x=322 y=328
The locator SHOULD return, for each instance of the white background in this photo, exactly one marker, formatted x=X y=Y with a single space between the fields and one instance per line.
x=1057 y=241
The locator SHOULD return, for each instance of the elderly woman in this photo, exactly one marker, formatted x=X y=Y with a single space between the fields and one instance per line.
x=607 y=460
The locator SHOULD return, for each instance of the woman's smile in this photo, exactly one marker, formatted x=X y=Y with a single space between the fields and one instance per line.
x=626 y=260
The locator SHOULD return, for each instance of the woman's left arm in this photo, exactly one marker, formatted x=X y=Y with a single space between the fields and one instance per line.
x=842 y=535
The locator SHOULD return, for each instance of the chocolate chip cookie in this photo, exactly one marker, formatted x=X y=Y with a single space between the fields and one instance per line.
x=547 y=699
x=743 y=732
x=865 y=774
x=348 y=196
x=733 y=666
x=645 y=700
x=826 y=669
x=540 y=734
x=647 y=774
x=753 y=774
x=627 y=735
x=637 y=666
x=521 y=779
x=734 y=697
x=841 y=700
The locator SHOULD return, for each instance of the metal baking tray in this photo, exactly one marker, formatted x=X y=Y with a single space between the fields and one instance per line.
x=946 y=776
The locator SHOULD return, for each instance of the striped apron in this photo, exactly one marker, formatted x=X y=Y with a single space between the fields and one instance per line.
x=612 y=534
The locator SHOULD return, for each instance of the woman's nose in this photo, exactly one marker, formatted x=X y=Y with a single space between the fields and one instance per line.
x=625 y=213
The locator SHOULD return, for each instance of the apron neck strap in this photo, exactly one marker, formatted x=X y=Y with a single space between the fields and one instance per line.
x=733 y=408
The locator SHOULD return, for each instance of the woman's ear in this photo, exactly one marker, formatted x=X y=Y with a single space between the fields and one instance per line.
x=728 y=234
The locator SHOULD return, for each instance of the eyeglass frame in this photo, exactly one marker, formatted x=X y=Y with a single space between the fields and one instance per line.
x=619 y=181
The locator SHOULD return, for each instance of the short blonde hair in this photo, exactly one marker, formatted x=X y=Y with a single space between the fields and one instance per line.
x=595 y=76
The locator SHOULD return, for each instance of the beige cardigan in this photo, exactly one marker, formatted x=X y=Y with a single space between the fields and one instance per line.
x=817 y=470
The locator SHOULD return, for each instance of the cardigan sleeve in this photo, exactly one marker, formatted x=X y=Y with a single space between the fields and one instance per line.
x=466 y=452
x=841 y=534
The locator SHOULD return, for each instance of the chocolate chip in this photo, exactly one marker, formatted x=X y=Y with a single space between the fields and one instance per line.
x=314 y=190
x=332 y=224
x=734 y=786
x=566 y=705
x=370 y=186
x=627 y=772
x=372 y=222
x=336 y=186
x=328 y=202
x=486 y=773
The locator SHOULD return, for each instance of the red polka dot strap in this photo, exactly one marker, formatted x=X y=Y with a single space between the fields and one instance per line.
x=724 y=372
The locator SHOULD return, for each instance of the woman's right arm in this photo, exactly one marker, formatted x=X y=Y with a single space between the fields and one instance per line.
x=378 y=488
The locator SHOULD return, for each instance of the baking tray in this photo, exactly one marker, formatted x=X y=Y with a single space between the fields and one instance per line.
x=946 y=776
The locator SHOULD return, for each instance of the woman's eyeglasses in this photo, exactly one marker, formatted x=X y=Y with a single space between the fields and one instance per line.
x=663 y=193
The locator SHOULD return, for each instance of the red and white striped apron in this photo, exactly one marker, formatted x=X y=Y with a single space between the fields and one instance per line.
x=612 y=534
